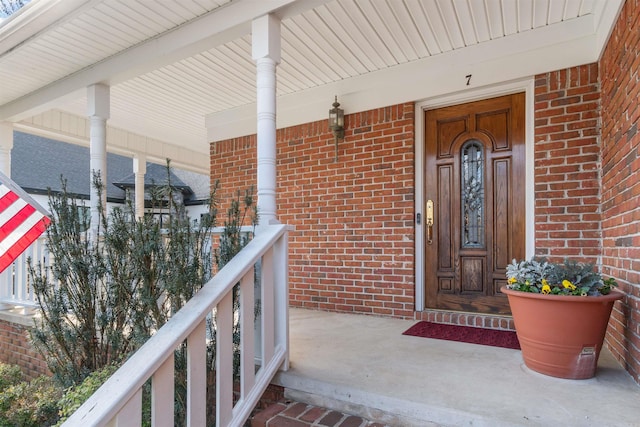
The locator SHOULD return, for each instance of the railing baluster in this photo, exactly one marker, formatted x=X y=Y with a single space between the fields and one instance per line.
x=21 y=276
x=197 y=376
x=6 y=283
x=247 y=325
x=224 y=360
x=162 y=394
x=267 y=307
x=130 y=414
x=15 y=286
x=36 y=256
x=281 y=296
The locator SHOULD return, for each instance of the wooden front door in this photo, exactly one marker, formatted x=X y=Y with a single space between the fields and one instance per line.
x=475 y=193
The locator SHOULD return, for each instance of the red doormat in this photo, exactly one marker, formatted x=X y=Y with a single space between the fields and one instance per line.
x=492 y=337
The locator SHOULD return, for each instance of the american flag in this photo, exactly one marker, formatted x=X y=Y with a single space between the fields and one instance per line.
x=22 y=221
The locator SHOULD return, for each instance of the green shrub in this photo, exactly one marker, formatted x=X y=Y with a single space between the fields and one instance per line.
x=103 y=298
x=30 y=404
x=9 y=375
x=75 y=396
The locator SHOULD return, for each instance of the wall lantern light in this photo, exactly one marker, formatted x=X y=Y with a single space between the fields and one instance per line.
x=336 y=122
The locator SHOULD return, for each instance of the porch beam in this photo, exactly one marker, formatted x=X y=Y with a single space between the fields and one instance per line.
x=215 y=28
x=72 y=128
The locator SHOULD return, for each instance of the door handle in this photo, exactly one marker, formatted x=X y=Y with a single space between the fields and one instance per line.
x=429 y=221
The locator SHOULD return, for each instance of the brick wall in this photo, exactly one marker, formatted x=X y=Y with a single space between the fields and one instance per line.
x=16 y=349
x=567 y=164
x=620 y=78
x=352 y=249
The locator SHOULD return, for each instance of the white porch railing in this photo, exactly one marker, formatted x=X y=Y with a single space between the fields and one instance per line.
x=15 y=284
x=119 y=401
x=16 y=290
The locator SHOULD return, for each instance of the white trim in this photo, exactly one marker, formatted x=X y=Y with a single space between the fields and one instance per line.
x=523 y=85
x=67 y=127
x=490 y=63
x=608 y=13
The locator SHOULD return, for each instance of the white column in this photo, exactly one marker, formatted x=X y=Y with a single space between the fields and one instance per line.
x=139 y=169
x=98 y=106
x=6 y=144
x=266 y=52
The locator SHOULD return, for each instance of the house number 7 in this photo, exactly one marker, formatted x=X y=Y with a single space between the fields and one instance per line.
x=468 y=77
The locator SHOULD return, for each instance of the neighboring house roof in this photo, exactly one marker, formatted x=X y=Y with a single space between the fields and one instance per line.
x=199 y=183
x=155 y=175
x=38 y=164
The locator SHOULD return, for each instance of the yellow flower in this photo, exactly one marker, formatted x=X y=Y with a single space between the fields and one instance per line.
x=512 y=280
x=568 y=285
x=544 y=282
x=546 y=289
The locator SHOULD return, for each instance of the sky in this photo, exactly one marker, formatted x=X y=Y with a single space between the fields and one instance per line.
x=8 y=7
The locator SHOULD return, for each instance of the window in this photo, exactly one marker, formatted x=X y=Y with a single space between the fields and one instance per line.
x=472 y=194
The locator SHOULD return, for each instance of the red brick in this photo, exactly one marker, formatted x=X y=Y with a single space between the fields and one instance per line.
x=331 y=419
x=352 y=421
x=335 y=207
x=281 y=421
x=313 y=414
x=565 y=158
x=620 y=144
x=295 y=410
x=262 y=417
x=16 y=348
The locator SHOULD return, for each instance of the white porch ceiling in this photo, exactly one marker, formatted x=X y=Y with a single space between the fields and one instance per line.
x=178 y=67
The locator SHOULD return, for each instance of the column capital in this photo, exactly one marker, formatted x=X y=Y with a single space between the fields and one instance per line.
x=265 y=38
x=140 y=163
x=6 y=135
x=99 y=101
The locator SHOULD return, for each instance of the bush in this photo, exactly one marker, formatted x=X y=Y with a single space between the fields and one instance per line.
x=30 y=404
x=75 y=396
x=9 y=375
x=103 y=298
x=42 y=402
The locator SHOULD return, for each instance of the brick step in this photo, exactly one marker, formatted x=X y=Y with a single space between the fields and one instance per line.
x=288 y=413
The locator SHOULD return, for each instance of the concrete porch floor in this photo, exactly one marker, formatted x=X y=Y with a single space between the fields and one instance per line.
x=363 y=365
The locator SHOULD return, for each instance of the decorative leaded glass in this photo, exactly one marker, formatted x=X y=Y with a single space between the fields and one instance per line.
x=472 y=194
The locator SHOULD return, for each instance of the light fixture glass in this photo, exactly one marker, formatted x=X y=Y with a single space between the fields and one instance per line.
x=336 y=122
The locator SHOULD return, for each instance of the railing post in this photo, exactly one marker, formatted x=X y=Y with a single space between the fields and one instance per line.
x=197 y=376
x=281 y=295
x=224 y=361
x=247 y=332
x=268 y=308
x=162 y=394
x=131 y=414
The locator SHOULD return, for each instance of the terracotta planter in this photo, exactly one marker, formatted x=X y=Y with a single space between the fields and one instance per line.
x=561 y=336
